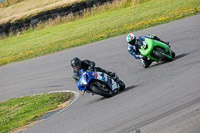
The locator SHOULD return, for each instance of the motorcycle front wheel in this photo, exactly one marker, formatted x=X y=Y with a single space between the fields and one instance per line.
x=103 y=92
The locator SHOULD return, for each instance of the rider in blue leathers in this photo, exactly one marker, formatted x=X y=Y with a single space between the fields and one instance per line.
x=136 y=43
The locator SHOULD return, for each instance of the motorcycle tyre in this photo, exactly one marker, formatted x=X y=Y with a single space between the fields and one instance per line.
x=158 y=54
x=101 y=92
x=122 y=85
x=173 y=54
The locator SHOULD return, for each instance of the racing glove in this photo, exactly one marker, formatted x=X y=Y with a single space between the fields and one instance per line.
x=141 y=56
x=91 y=68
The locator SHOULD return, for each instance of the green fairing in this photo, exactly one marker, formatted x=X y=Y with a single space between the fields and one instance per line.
x=151 y=44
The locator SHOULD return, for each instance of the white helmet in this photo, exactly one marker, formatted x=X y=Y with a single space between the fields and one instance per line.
x=131 y=39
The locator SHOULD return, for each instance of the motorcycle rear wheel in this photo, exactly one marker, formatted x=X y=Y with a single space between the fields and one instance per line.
x=162 y=54
x=105 y=93
x=173 y=54
x=122 y=85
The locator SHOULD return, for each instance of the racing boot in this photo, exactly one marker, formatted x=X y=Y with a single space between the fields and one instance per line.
x=114 y=76
x=164 y=42
x=145 y=62
x=157 y=38
x=116 y=79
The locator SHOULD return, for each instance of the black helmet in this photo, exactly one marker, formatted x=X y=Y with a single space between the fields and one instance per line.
x=76 y=63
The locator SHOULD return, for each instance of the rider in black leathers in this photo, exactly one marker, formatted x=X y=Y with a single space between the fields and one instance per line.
x=77 y=64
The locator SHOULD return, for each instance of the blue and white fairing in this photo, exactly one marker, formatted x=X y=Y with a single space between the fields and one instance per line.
x=106 y=78
x=87 y=76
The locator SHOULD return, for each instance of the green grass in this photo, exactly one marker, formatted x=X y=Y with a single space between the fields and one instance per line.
x=100 y=25
x=20 y=9
x=5 y=2
x=20 y=111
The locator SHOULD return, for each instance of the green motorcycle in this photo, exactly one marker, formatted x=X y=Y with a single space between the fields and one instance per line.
x=156 y=50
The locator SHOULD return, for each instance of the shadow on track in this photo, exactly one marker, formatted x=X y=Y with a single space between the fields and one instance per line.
x=177 y=57
x=181 y=56
x=126 y=89
x=103 y=98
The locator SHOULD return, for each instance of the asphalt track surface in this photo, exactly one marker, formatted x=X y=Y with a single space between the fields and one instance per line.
x=164 y=98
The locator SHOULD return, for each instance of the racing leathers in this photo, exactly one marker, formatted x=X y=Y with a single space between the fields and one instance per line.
x=90 y=65
x=134 y=49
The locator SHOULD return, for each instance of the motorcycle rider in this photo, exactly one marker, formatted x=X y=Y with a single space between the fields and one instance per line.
x=77 y=64
x=136 y=43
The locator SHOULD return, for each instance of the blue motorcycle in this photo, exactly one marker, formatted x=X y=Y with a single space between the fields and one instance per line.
x=98 y=83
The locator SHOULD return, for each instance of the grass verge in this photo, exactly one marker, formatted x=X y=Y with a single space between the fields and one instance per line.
x=107 y=22
x=20 y=111
x=19 y=9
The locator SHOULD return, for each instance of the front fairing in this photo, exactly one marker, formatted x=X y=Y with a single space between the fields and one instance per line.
x=85 y=78
x=149 y=46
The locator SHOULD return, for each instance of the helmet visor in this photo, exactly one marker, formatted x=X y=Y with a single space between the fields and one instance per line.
x=76 y=67
x=132 y=42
